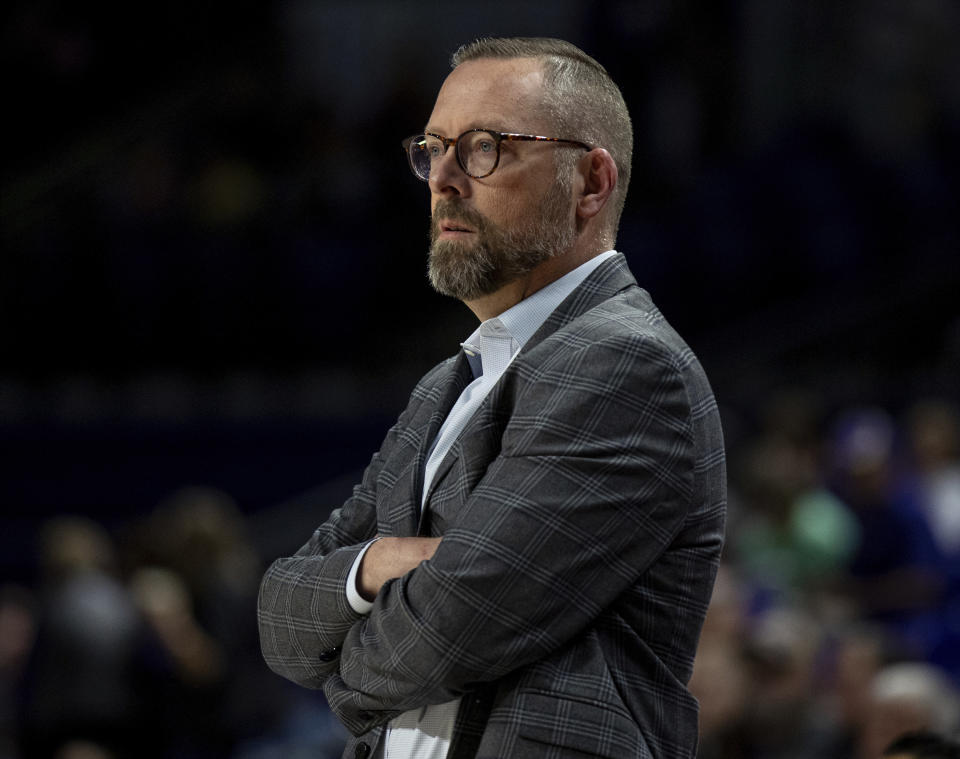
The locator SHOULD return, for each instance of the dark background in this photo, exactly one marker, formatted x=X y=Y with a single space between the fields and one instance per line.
x=213 y=253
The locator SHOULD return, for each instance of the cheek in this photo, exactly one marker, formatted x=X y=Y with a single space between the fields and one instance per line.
x=510 y=207
x=517 y=198
x=505 y=213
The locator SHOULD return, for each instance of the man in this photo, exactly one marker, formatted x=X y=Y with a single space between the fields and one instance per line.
x=547 y=513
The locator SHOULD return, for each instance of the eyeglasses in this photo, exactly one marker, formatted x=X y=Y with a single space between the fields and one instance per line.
x=477 y=150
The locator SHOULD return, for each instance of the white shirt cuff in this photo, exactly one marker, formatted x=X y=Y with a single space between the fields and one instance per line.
x=358 y=602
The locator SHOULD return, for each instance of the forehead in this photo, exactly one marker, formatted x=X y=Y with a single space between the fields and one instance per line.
x=503 y=94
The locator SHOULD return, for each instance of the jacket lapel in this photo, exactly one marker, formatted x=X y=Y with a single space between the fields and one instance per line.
x=609 y=278
x=451 y=387
x=399 y=504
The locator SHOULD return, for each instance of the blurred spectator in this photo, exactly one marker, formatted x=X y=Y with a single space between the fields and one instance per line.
x=934 y=434
x=17 y=631
x=785 y=720
x=190 y=664
x=922 y=745
x=895 y=574
x=166 y=667
x=83 y=682
x=165 y=603
x=794 y=537
x=726 y=622
x=859 y=653
x=84 y=750
x=796 y=534
x=208 y=595
x=720 y=676
x=195 y=576
x=200 y=533
x=908 y=697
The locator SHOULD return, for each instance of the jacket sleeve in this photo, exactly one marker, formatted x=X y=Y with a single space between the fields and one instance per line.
x=593 y=481
x=302 y=608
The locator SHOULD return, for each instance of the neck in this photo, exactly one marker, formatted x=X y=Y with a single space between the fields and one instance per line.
x=494 y=304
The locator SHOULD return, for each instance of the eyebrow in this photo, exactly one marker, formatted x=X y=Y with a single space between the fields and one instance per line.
x=476 y=125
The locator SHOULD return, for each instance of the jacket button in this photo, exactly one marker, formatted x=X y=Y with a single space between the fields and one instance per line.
x=328 y=656
x=362 y=751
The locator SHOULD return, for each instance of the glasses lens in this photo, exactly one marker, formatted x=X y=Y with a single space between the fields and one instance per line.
x=417 y=152
x=478 y=153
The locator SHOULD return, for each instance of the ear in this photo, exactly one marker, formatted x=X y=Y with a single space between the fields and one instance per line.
x=599 y=172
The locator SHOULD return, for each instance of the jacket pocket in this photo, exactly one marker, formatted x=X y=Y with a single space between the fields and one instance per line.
x=586 y=727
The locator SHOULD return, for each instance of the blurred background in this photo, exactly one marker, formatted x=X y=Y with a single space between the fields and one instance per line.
x=210 y=238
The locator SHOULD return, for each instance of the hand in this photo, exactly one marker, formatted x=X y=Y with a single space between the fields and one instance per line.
x=389 y=558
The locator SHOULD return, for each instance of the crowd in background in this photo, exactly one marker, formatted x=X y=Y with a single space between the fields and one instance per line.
x=834 y=627
x=144 y=644
x=835 y=622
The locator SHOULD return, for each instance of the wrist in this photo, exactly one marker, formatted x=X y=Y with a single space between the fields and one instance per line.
x=369 y=580
x=358 y=602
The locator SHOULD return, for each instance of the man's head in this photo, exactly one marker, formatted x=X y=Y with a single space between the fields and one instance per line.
x=557 y=199
x=578 y=95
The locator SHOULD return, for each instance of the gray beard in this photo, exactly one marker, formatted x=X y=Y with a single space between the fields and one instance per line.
x=495 y=257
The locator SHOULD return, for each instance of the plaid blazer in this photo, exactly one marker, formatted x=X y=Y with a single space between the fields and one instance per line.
x=582 y=514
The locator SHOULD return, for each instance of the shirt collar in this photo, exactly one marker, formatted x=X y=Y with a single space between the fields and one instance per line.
x=523 y=319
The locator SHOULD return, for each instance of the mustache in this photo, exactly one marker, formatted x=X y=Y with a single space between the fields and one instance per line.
x=455 y=210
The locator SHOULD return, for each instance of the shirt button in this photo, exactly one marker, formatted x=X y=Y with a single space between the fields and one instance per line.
x=362 y=751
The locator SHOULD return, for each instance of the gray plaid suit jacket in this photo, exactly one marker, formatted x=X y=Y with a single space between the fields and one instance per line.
x=582 y=514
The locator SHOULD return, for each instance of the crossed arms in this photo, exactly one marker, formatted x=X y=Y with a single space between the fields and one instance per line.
x=592 y=481
x=389 y=559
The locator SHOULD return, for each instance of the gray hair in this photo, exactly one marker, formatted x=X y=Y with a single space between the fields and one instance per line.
x=580 y=97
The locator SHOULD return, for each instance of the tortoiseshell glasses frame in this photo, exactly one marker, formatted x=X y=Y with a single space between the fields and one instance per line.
x=477 y=150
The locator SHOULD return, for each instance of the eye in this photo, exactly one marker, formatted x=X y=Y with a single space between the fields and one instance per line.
x=433 y=147
x=478 y=144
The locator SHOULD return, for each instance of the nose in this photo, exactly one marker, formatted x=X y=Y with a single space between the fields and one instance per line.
x=446 y=176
